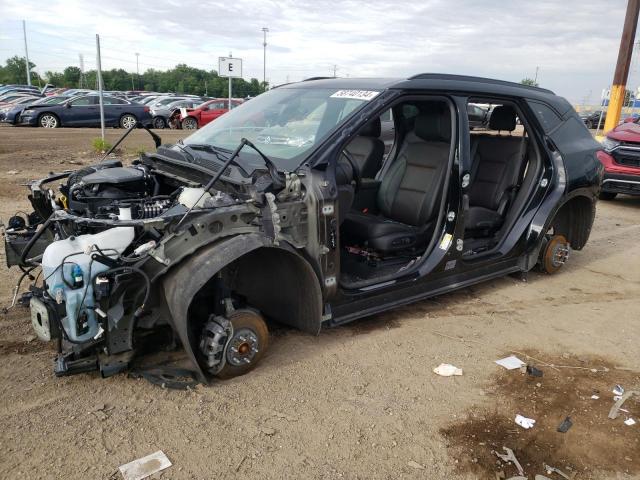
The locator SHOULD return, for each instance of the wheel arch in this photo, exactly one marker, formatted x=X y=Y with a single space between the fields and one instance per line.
x=274 y=279
x=574 y=219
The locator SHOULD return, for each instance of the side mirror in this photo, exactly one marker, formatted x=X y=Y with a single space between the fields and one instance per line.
x=67 y=105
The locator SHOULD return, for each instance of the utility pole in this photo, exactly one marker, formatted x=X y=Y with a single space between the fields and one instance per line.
x=264 y=59
x=621 y=74
x=535 y=80
x=230 y=56
x=81 y=58
x=335 y=68
x=100 y=86
x=26 y=52
x=138 y=69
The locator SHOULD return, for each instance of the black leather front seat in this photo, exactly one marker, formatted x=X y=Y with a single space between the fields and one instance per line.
x=496 y=168
x=367 y=149
x=410 y=190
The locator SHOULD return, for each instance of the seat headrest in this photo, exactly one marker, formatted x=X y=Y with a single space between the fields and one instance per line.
x=371 y=129
x=503 y=118
x=434 y=125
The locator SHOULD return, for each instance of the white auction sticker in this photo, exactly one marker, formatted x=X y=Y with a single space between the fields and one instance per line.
x=445 y=243
x=356 y=94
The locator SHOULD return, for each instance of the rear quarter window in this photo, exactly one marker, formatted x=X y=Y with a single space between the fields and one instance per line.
x=547 y=117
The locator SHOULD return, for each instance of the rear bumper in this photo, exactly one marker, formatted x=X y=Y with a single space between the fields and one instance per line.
x=621 y=183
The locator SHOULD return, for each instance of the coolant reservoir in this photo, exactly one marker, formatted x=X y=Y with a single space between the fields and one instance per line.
x=189 y=196
x=80 y=323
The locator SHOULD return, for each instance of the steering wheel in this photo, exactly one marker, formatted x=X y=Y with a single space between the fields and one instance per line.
x=354 y=168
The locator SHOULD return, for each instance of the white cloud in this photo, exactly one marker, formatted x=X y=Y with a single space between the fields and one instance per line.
x=574 y=42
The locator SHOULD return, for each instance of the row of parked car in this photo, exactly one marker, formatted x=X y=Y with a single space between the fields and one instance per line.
x=53 y=108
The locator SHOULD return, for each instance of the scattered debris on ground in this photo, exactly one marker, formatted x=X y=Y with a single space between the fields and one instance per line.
x=145 y=466
x=525 y=422
x=565 y=425
x=573 y=435
x=447 y=370
x=511 y=362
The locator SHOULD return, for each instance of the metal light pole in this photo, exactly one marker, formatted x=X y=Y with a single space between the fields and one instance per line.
x=264 y=58
x=81 y=58
x=616 y=99
x=230 y=56
x=26 y=52
x=138 y=69
x=535 y=79
x=100 y=87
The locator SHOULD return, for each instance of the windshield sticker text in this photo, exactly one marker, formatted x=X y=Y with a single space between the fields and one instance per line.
x=356 y=94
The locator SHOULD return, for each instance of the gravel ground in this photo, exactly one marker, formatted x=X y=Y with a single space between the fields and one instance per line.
x=360 y=401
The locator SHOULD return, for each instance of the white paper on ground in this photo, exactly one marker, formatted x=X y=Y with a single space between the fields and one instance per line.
x=629 y=421
x=525 y=422
x=594 y=397
x=145 y=466
x=510 y=363
x=447 y=370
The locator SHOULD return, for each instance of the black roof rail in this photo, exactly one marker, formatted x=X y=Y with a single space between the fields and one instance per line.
x=317 y=78
x=467 y=78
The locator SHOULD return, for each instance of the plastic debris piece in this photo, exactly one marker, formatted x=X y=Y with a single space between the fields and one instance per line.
x=447 y=370
x=594 y=397
x=618 y=390
x=145 y=466
x=510 y=457
x=615 y=410
x=533 y=371
x=551 y=470
x=629 y=421
x=565 y=425
x=511 y=362
x=415 y=465
x=525 y=422
x=541 y=477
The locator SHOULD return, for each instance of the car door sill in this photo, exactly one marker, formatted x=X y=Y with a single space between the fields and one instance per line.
x=398 y=300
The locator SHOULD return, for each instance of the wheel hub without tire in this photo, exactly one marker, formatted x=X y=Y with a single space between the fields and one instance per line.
x=556 y=253
x=242 y=347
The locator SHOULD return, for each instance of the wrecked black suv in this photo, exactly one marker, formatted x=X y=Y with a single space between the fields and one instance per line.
x=291 y=209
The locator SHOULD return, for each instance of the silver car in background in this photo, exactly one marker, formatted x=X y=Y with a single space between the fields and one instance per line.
x=161 y=112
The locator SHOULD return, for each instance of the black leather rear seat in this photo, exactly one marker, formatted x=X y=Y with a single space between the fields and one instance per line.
x=410 y=190
x=496 y=168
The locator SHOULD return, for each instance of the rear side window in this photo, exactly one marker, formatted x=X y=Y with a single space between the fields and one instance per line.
x=546 y=116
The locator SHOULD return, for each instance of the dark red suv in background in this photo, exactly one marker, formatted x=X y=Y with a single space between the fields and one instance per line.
x=621 y=160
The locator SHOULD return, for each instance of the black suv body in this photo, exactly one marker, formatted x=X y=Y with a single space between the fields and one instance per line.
x=289 y=209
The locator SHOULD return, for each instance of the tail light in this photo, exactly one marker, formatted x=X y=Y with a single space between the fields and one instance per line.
x=147 y=109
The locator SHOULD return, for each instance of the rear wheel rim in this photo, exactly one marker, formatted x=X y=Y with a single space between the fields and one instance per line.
x=158 y=123
x=128 y=121
x=190 y=124
x=49 y=121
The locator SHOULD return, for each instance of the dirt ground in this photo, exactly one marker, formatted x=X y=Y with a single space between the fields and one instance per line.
x=357 y=402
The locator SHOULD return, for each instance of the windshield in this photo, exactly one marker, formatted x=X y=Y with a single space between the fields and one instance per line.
x=285 y=123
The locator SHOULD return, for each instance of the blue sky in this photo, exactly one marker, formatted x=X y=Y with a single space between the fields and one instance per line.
x=573 y=42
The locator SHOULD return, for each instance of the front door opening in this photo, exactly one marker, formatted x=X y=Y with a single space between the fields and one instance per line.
x=390 y=209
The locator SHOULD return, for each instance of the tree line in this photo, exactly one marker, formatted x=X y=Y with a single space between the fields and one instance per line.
x=180 y=79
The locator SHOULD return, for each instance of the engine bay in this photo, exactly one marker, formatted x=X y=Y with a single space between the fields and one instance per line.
x=105 y=235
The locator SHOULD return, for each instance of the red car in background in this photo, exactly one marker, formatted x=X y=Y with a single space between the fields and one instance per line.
x=621 y=160
x=192 y=118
